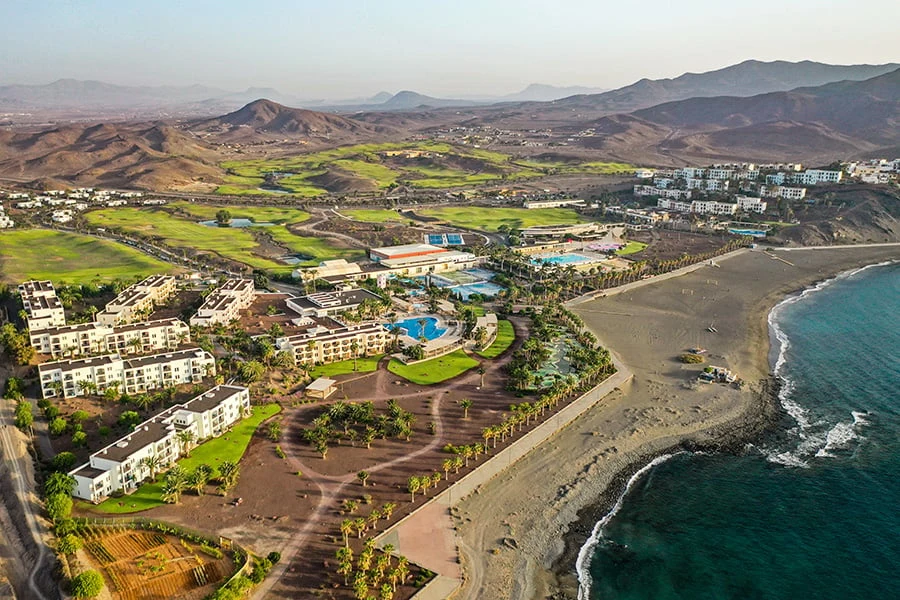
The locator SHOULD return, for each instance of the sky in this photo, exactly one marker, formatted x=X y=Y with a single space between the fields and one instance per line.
x=343 y=48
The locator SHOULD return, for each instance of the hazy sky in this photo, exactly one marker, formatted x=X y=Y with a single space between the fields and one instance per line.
x=341 y=48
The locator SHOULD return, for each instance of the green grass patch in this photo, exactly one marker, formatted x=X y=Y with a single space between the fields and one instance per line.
x=489 y=219
x=506 y=335
x=230 y=446
x=365 y=364
x=631 y=248
x=257 y=214
x=68 y=258
x=238 y=244
x=374 y=215
x=435 y=370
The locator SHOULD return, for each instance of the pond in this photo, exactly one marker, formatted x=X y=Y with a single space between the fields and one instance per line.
x=238 y=223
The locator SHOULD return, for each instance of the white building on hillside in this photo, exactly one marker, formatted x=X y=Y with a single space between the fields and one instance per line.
x=42 y=308
x=751 y=204
x=779 y=191
x=136 y=302
x=326 y=340
x=122 y=465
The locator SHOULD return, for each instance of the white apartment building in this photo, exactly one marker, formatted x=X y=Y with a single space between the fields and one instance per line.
x=534 y=204
x=225 y=303
x=751 y=204
x=817 y=176
x=648 y=190
x=133 y=376
x=5 y=221
x=710 y=207
x=42 y=308
x=644 y=173
x=136 y=302
x=708 y=185
x=326 y=340
x=324 y=304
x=121 y=465
x=779 y=191
x=676 y=205
x=663 y=182
x=97 y=338
x=716 y=173
x=690 y=173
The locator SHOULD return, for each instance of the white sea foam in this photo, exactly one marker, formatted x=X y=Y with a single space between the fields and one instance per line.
x=842 y=435
x=583 y=563
x=812 y=439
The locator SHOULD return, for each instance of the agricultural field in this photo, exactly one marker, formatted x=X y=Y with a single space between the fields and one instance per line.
x=68 y=258
x=230 y=446
x=234 y=243
x=425 y=165
x=436 y=370
x=490 y=219
x=506 y=335
x=145 y=564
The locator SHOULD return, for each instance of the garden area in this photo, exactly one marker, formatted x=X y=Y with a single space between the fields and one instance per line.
x=506 y=335
x=435 y=370
x=490 y=219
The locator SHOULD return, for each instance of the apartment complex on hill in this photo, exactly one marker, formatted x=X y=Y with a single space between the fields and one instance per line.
x=325 y=340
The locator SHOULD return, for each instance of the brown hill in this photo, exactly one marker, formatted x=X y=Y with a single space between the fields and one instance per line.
x=139 y=156
x=836 y=120
x=264 y=119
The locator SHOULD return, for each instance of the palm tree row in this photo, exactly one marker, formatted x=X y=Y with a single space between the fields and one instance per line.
x=177 y=479
x=369 y=571
x=360 y=525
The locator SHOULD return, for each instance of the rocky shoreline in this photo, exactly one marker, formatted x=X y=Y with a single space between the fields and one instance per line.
x=762 y=415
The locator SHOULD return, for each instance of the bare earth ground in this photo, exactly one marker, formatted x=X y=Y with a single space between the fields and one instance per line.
x=533 y=504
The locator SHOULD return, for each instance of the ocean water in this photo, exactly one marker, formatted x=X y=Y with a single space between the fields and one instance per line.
x=812 y=511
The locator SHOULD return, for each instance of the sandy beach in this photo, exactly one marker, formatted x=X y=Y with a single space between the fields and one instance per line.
x=518 y=537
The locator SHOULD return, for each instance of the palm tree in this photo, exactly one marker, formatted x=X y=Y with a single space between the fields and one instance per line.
x=425 y=483
x=466 y=404
x=345 y=562
x=446 y=465
x=346 y=530
x=228 y=476
x=413 y=485
x=186 y=439
x=153 y=463
x=350 y=505
x=362 y=476
x=374 y=517
x=174 y=484
x=482 y=371
x=197 y=480
x=435 y=479
x=359 y=524
x=354 y=348
x=388 y=509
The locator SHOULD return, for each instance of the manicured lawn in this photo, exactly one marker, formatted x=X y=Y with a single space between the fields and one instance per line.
x=230 y=446
x=631 y=248
x=317 y=249
x=373 y=215
x=435 y=370
x=506 y=335
x=365 y=364
x=258 y=214
x=489 y=219
x=66 y=257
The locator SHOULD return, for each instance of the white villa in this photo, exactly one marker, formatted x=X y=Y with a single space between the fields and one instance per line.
x=225 y=303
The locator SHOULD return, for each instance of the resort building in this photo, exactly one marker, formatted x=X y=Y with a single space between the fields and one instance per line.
x=122 y=465
x=649 y=190
x=707 y=185
x=558 y=231
x=324 y=340
x=778 y=191
x=136 y=302
x=97 y=338
x=72 y=378
x=751 y=204
x=644 y=173
x=225 y=304
x=321 y=388
x=324 y=304
x=42 y=308
x=572 y=202
x=404 y=251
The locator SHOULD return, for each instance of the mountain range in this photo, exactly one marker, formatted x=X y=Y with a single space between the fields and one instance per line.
x=853 y=116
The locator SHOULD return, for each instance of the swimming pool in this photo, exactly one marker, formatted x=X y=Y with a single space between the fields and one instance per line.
x=485 y=288
x=753 y=232
x=569 y=258
x=414 y=328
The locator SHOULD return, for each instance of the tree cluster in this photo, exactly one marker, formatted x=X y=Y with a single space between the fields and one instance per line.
x=358 y=421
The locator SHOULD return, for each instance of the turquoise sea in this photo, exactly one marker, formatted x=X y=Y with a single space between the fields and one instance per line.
x=811 y=511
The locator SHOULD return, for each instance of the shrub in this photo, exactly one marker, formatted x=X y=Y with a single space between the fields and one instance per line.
x=691 y=359
x=87 y=584
x=51 y=412
x=274 y=557
x=69 y=544
x=129 y=419
x=24 y=415
x=79 y=438
x=279 y=452
x=57 y=426
x=79 y=416
x=59 y=507
x=211 y=551
x=63 y=461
